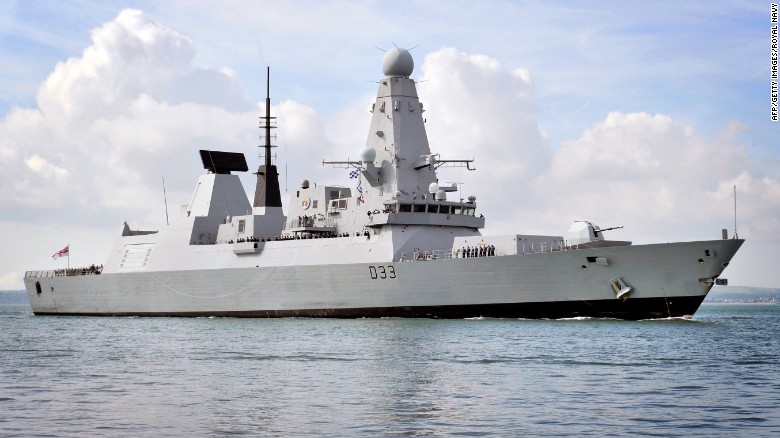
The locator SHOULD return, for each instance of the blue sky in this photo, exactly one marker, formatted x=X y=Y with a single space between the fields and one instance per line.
x=624 y=84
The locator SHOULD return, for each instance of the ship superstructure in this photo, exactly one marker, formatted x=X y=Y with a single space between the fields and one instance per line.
x=395 y=246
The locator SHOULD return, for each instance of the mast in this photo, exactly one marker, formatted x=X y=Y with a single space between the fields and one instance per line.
x=736 y=236
x=267 y=193
x=268 y=117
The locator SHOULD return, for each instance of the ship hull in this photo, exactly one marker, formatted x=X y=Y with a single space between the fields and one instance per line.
x=666 y=280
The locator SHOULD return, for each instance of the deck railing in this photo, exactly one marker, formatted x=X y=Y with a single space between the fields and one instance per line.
x=69 y=272
x=498 y=251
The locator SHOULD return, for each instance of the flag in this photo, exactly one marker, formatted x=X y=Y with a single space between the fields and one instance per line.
x=61 y=253
x=354 y=174
x=360 y=197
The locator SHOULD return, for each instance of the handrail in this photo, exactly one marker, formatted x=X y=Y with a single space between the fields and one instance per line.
x=499 y=251
x=310 y=222
x=69 y=272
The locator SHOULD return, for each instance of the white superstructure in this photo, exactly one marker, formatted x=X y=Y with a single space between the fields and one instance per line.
x=395 y=247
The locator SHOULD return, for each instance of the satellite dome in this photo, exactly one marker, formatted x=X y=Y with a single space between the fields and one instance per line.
x=397 y=62
x=368 y=154
x=433 y=187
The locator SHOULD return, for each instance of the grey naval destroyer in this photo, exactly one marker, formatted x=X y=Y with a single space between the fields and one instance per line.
x=395 y=247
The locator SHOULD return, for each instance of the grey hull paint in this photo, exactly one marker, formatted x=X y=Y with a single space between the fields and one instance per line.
x=553 y=284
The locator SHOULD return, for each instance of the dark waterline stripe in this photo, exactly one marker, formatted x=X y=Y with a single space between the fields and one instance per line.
x=630 y=309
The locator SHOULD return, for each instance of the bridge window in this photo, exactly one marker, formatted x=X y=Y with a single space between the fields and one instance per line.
x=338 y=204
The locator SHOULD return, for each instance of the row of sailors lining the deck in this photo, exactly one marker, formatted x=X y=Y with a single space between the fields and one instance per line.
x=298 y=236
x=465 y=252
x=69 y=272
x=475 y=251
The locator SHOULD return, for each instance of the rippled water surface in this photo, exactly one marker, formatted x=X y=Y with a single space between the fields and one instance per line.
x=715 y=375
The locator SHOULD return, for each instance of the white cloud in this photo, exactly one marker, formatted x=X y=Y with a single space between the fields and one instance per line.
x=477 y=108
x=130 y=56
x=112 y=121
x=10 y=280
x=301 y=142
x=657 y=174
x=39 y=165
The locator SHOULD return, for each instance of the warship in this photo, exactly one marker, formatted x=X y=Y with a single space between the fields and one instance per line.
x=400 y=245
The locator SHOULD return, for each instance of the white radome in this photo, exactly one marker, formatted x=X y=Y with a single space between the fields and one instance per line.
x=368 y=154
x=397 y=62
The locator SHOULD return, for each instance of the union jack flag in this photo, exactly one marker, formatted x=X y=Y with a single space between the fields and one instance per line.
x=61 y=253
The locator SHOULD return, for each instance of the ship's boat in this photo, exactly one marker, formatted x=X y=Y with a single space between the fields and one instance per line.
x=400 y=245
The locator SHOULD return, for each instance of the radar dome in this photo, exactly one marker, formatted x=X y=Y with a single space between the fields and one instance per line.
x=397 y=62
x=433 y=188
x=368 y=154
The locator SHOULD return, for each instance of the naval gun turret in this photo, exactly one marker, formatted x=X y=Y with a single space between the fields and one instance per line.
x=584 y=234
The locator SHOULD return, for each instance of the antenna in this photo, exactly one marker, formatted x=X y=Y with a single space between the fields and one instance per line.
x=736 y=236
x=459 y=185
x=267 y=188
x=268 y=118
x=165 y=197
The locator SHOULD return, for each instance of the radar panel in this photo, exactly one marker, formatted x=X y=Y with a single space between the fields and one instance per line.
x=223 y=162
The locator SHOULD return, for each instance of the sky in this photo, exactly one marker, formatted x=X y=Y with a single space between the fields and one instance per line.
x=638 y=114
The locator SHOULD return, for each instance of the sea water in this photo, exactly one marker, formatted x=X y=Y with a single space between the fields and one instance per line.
x=717 y=374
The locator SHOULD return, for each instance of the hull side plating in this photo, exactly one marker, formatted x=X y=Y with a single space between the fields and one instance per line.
x=667 y=280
